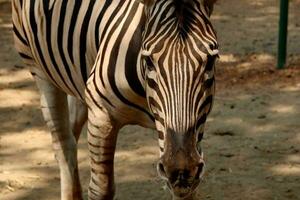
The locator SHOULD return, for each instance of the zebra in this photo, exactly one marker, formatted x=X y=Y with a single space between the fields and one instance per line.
x=113 y=63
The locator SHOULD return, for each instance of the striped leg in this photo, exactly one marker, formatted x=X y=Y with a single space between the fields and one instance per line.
x=55 y=110
x=78 y=115
x=102 y=137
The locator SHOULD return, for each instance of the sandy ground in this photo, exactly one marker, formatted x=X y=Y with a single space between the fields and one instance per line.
x=253 y=134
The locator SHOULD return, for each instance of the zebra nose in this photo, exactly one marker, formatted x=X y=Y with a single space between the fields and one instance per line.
x=180 y=178
x=181 y=175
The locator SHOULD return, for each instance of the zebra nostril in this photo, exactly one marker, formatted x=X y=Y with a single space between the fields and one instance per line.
x=200 y=170
x=183 y=175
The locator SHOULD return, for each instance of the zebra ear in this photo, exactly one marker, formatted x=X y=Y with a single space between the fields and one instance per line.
x=209 y=5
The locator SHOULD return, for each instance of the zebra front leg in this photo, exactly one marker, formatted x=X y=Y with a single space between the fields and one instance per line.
x=78 y=115
x=55 y=111
x=102 y=137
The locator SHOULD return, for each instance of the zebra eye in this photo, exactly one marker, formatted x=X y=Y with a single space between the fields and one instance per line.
x=149 y=63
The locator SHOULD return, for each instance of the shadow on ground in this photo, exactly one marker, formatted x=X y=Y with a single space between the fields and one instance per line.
x=247 y=27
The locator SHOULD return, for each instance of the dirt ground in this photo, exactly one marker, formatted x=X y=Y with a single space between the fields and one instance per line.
x=252 y=140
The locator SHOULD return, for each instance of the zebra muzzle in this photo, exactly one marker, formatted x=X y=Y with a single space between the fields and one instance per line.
x=181 y=182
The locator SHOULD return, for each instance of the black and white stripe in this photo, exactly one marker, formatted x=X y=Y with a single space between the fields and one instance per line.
x=129 y=62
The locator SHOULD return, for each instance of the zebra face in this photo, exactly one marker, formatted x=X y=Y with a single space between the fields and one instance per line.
x=179 y=51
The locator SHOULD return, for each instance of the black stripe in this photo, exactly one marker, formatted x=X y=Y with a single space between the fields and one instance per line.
x=94 y=125
x=195 y=53
x=97 y=171
x=208 y=83
x=210 y=62
x=72 y=28
x=96 y=136
x=105 y=29
x=83 y=38
x=25 y=56
x=16 y=32
x=158 y=118
x=154 y=103
x=200 y=137
x=196 y=84
x=112 y=63
x=60 y=32
x=48 y=15
x=131 y=62
x=94 y=153
x=204 y=30
x=99 y=19
x=101 y=146
x=101 y=95
x=36 y=40
x=160 y=135
x=201 y=120
x=207 y=101
x=167 y=31
x=152 y=84
x=159 y=14
x=104 y=171
x=103 y=162
x=103 y=154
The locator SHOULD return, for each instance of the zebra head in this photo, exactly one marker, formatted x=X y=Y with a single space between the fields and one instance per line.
x=179 y=50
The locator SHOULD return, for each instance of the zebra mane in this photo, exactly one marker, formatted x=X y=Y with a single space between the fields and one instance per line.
x=208 y=4
x=181 y=7
x=181 y=11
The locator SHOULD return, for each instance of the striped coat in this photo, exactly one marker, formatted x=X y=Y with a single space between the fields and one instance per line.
x=118 y=59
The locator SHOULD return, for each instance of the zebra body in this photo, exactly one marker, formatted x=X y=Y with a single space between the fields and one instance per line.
x=115 y=58
x=66 y=58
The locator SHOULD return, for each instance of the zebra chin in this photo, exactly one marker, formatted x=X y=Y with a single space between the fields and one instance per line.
x=186 y=192
x=180 y=193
